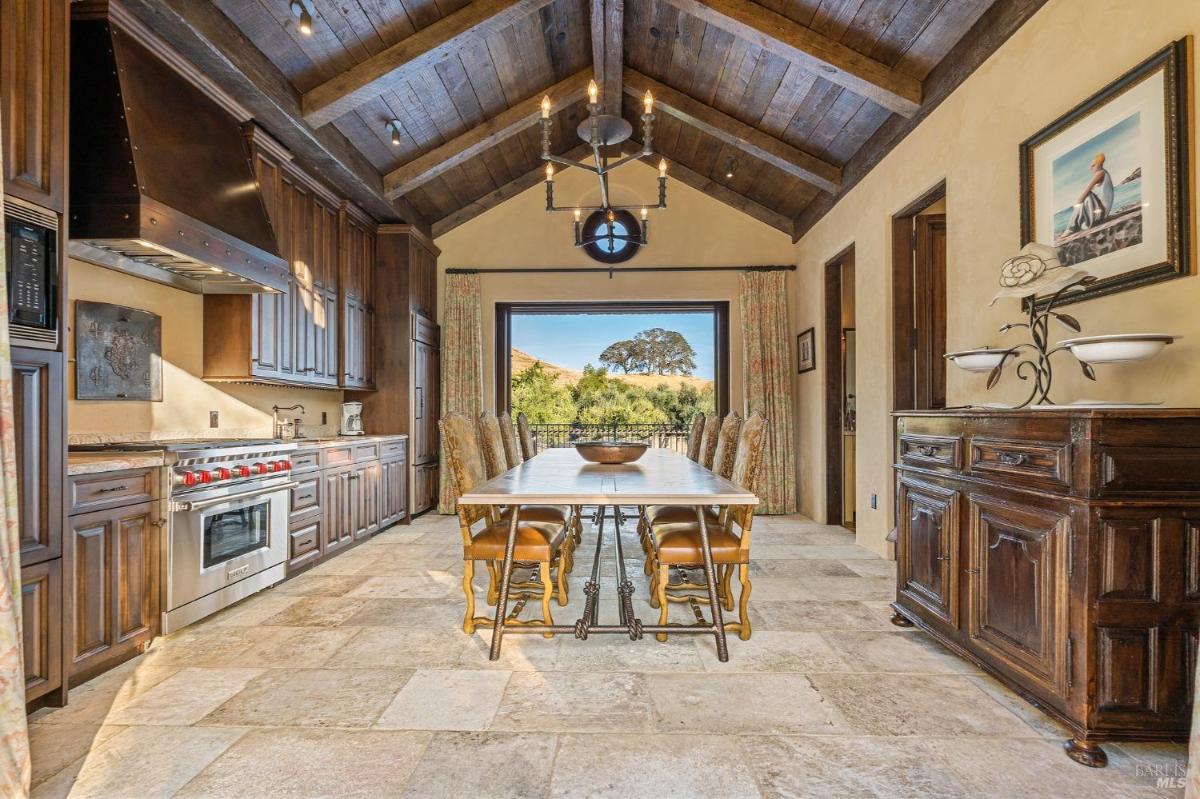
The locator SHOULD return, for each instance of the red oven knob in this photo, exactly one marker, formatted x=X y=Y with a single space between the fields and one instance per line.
x=242 y=471
x=222 y=473
x=204 y=476
x=285 y=466
x=188 y=478
x=258 y=468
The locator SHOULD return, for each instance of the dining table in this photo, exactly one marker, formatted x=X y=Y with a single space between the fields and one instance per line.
x=561 y=476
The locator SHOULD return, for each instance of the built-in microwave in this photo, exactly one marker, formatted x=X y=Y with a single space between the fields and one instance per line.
x=31 y=258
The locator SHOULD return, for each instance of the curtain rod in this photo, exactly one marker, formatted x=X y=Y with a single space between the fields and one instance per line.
x=603 y=271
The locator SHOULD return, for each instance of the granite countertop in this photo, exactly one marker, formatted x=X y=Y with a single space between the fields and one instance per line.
x=96 y=462
x=325 y=441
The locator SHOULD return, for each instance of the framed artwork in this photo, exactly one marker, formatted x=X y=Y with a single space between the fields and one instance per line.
x=118 y=353
x=1108 y=183
x=806 y=351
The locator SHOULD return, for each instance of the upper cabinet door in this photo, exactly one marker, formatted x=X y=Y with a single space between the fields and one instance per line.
x=33 y=84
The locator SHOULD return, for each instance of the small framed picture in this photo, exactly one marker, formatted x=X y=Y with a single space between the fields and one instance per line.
x=806 y=351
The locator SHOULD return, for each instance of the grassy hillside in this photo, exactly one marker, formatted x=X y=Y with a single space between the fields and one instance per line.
x=566 y=377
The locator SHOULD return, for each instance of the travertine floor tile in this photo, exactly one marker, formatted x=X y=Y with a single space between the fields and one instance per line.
x=316 y=611
x=297 y=647
x=579 y=701
x=311 y=698
x=621 y=766
x=401 y=647
x=53 y=747
x=319 y=585
x=732 y=704
x=94 y=701
x=185 y=697
x=420 y=586
x=801 y=568
x=144 y=762
x=446 y=700
x=299 y=762
x=428 y=614
x=814 y=614
x=909 y=652
x=475 y=764
x=772 y=651
x=254 y=610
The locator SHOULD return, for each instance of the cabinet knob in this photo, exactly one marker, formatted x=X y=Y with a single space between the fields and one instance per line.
x=971 y=571
x=928 y=452
x=943 y=557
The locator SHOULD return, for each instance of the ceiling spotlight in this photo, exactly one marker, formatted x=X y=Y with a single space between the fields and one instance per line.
x=394 y=127
x=299 y=10
x=730 y=166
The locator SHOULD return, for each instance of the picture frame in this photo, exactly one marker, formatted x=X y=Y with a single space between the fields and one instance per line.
x=806 y=351
x=1109 y=183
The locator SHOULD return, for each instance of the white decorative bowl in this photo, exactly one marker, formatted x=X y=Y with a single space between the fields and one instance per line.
x=982 y=359
x=1118 y=347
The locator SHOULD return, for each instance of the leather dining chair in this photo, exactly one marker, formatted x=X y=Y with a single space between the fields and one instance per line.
x=694 y=435
x=525 y=434
x=508 y=435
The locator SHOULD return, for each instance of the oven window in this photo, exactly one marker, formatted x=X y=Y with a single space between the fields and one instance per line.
x=235 y=532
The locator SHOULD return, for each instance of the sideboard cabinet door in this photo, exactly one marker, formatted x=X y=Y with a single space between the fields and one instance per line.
x=927 y=554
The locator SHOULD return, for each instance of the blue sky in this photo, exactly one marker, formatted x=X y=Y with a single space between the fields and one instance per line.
x=1121 y=146
x=573 y=340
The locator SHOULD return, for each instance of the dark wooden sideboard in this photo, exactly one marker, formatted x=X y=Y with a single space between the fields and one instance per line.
x=1060 y=550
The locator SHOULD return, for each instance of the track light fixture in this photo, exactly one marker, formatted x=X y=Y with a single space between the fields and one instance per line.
x=394 y=126
x=730 y=166
x=300 y=11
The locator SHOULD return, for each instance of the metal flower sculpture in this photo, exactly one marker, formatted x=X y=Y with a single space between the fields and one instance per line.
x=1036 y=269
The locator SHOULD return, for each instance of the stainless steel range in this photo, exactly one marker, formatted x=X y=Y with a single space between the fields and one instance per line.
x=228 y=522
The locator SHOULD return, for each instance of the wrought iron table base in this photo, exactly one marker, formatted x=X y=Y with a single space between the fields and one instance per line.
x=630 y=624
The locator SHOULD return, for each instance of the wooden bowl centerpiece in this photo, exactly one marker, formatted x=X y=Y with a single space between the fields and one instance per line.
x=611 y=451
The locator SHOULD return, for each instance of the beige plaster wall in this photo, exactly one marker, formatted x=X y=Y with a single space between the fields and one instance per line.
x=1069 y=50
x=695 y=230
x=245 y=410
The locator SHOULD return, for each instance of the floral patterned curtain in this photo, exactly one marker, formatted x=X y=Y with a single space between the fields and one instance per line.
x=462 y=363
x=14 y=735
x=767 y=379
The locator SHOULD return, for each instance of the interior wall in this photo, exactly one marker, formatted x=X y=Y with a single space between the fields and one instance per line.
x=694 y=230
x=1075 y=47
x=244 y=410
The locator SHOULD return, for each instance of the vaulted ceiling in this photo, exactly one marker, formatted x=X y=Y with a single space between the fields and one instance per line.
x=772 y=107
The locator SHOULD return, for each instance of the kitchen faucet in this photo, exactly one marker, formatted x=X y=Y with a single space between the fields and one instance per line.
x=280 y=423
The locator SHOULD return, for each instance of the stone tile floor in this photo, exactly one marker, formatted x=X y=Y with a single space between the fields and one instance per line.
x=355 y=679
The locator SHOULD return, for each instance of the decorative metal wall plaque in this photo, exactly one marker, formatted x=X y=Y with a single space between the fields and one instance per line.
x=118 y=353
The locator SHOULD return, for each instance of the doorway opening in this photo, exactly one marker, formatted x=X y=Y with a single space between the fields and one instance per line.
x=840 y=390
x=919 y=302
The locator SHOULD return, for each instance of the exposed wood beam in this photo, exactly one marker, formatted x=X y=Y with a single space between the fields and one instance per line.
x=506 y=192
x=989 y=32
x=813 y=51
x=215 y=46
x=421 y=51
x=424 y=168
x=748 y=139
x=608 y=31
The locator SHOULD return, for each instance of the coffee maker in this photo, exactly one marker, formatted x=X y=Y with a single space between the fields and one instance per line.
x=351 y=419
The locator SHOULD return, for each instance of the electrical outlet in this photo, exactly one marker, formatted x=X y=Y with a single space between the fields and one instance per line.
x=874 y=502
x=324 y=418
x=214 y=418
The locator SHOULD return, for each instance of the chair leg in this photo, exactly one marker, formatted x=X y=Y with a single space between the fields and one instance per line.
x=726 y=595
x=562 y=578
x=743 y=601
x=493 y=592
x=547 y=592
x=653 y=570
x=469 y=590
x=661 y=593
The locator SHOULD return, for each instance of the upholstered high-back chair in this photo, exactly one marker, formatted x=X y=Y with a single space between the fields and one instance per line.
x=538 y=542
x=694 y=436
x=727 y=441
x=528 y=450
x=491 y=440
x=509 y=436
x=708 y=440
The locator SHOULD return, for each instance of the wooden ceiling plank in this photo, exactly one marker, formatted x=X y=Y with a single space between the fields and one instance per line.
x=506 y=192
x=730 y=197
x=803 y=46
x=210 y=41
x=732 y=131
x=423 y=49
x=608 y=32
x=466 y=146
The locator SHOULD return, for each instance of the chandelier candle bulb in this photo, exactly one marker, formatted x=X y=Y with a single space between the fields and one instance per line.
x=593 y=92
x=662 y=169
x=648 y=102
x=549 y=172
x=645 y=214
x=546 y=107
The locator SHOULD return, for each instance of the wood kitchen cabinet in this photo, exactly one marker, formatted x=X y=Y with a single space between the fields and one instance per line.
x=114 y=594
x=39 y=427
x=357 y=296
x=33 y=84
x=42 y=629
x=1060 y=550
x=296 y=337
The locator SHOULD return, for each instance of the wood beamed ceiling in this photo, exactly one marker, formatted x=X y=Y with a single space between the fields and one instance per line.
x=774 y=108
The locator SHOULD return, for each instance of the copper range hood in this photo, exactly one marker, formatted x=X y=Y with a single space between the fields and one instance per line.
x=161 y=184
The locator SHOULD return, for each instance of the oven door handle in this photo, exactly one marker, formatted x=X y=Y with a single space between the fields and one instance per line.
x=201 y=504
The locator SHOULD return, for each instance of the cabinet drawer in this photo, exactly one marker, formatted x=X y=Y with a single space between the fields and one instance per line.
x=366 y=452
x=306 y=461
x=1149 y=470
x=389 y=450
x=89 y=492
x=306 y=497
x=340 y=455
x=1041 y=462
x=923 y=450
x=305 y=544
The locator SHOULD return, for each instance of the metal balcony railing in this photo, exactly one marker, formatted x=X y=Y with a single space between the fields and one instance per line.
x=668 y=436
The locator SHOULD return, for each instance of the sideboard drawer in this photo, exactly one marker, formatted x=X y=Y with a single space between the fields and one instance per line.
x=90 y=492
x=1149 y=470
x=1043 y=462
x=925 y=450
